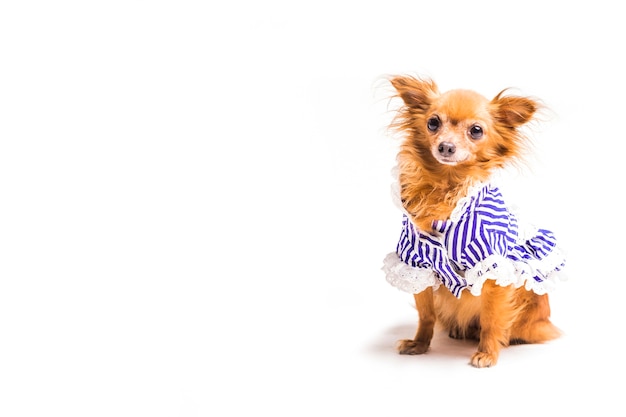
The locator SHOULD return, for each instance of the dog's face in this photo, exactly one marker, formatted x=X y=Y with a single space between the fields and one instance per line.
x=458 y=123
x=461 y=127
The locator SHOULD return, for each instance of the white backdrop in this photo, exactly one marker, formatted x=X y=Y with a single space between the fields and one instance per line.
x=194 y=205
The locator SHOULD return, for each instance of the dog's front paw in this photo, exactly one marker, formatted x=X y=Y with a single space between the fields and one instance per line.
x=484 y=360
x=412 y=347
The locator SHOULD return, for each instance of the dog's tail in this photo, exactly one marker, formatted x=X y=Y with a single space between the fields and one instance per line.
x=535 y=325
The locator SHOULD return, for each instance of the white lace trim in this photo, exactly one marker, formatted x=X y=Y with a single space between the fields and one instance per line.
x=506 y=272
x=396 y=194
x=406 y=278
x=496 y=267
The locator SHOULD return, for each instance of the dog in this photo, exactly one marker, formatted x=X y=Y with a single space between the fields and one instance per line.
x=472 y=266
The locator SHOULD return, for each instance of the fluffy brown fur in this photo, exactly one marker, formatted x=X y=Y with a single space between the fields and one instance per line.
x=451 y=141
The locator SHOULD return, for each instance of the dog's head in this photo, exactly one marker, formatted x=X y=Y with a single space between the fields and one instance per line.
x=460 y=127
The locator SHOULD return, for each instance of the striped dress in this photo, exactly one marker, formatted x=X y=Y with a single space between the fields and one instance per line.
x=481 y=240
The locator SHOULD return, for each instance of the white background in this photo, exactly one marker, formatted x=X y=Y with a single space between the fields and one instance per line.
x=194 y=205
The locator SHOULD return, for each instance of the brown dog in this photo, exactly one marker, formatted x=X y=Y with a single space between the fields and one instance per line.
x=469 y=263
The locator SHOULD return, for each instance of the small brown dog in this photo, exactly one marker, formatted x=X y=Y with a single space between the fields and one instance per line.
x=462 y=253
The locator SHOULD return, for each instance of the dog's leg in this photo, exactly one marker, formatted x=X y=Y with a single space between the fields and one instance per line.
x=426 y=311
x=497 y=314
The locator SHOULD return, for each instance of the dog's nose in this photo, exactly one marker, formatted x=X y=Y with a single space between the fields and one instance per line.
x=447 y=148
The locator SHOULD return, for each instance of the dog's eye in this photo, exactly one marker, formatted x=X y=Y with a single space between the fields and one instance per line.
x=433 y=124
x=476 y=132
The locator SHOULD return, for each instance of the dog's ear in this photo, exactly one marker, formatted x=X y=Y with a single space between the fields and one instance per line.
x=415 y=92
x=513 y=111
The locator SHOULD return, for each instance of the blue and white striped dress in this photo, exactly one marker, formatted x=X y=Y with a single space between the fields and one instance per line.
x=481 y=240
